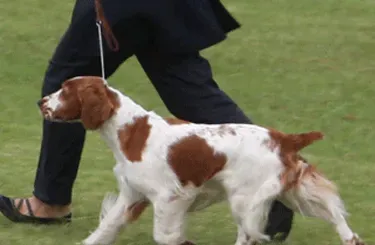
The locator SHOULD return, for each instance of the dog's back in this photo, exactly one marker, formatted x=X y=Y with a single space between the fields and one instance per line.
x=179 y=157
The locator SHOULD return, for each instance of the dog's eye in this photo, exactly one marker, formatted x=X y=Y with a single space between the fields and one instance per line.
x=63 y=94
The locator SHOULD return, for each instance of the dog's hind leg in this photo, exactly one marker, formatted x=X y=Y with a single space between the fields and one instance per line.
x=169 y=220
x=250 y=207
x=242 y=237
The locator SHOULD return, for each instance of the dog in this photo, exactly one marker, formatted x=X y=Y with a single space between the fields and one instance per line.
x=180 y=167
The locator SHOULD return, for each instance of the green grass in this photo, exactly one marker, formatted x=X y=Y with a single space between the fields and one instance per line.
x=296 y=65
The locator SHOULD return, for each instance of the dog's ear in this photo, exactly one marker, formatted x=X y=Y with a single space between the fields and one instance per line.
x=96 y=107
x=297 y=142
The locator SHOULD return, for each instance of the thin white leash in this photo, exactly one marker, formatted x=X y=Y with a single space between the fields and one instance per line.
x=99 y=25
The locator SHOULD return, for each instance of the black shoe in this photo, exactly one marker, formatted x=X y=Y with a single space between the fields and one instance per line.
x=10 y=211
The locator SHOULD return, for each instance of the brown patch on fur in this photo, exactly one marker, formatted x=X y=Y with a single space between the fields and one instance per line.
x=113 y=98
x=175 y=121
x=96 y=107
x=136 y=210
x=133 y=138
x=194 y=161
x=289 y=145
x=88 y=99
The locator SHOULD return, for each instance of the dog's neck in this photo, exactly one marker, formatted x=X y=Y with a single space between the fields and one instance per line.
x=127 y=112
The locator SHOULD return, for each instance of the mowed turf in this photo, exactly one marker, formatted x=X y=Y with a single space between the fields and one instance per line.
x=296 y=65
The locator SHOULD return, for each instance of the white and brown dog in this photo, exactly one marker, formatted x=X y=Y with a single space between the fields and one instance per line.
x=181 y=167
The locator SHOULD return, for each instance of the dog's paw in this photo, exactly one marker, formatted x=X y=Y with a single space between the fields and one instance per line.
x=94 y=240
x=356 y=240
x=85 y=242
x=259 y=239
x=91 y=240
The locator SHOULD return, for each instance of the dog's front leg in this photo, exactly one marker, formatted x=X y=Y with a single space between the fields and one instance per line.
x=110 y=225
x=117 y=212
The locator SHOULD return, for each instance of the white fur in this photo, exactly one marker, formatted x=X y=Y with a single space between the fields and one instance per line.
x=249 y=181
x=53 y=102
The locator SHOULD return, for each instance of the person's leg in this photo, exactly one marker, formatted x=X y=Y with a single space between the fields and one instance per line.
x=186 y=86
x=62 y=144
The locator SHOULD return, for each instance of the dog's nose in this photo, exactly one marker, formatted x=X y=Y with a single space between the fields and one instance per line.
x=40 y=102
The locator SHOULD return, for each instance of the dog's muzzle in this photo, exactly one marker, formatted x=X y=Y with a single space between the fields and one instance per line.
x=46 y=112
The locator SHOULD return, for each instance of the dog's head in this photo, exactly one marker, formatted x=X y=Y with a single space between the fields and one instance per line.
x=87 y=99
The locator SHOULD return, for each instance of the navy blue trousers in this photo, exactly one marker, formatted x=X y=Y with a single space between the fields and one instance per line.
x=183 y=80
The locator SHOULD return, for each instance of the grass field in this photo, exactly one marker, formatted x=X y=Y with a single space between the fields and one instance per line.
x=295 y=65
